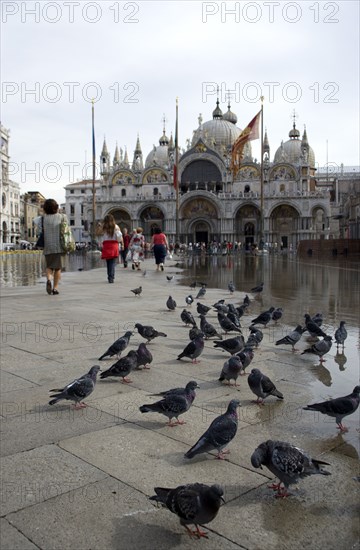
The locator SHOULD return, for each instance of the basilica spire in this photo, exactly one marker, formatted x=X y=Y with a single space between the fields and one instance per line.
x=137 y=163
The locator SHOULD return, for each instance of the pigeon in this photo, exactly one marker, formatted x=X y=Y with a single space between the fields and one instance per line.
x=144 y=356
x=193 y=285
x=118 y=346
x=287 y=462
x=231 y=369
x=221 y=431
x=291 y=339
x=201 y=293
x=203 y=284
x=264 y=318
x=340 y=334
x=189 y=300
x=231 y=345
x=187 y=318
x=339 y=407
x=256 y=336
x=246 y=301
x=190 y=386
x=320 y=348
x=262 y=386
x=277 y=314
x=318 y=319
x=194 y=504
x=137 y=291
x=241 y=310
x=194 y=349
x=194 y=332
x=122 y=367
x=77 y=390
x=218 y=303
x=246 y=356
x=171 y=304
x=202 y=309
x=169 y=277
x=208 y=329
x=257 y=289
x=173 y=404
x=221 y=308
x=148 y=332
x=313 y=328
x=231 y=287
x=226 y=324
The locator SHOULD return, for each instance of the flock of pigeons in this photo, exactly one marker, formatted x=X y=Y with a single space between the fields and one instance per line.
x=198 y=504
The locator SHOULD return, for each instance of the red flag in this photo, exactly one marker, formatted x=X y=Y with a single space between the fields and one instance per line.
x=250 y=133
x=175 y=175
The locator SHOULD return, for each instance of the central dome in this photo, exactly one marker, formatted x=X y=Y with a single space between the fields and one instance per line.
x=220 y=133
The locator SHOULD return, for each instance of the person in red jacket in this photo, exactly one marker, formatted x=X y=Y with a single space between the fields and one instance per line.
x=160 y=247
x=110 y=236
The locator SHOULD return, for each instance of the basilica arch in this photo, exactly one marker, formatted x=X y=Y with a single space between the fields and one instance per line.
x=122 y=218
x=284 y=224
x=200 y=220
x=201 y=174
x=150 y=217
x=247 y=224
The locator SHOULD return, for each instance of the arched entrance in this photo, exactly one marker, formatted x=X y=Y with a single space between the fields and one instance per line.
x=151 y=217
x=201 y=232
x=122 y=218
x=284 y=221
x=247 y=225
x=200 y=220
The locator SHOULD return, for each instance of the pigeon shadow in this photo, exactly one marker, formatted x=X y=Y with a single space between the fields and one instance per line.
x=340 y=359
x=143 y=535
x=322 y=374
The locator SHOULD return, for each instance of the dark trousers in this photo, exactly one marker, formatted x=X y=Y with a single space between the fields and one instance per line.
x=110 y=264
x=123 y=256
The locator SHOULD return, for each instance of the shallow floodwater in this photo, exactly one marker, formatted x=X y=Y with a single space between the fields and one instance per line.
x=299 y=286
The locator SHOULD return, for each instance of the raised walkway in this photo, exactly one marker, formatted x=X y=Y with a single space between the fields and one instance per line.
x=81 y=479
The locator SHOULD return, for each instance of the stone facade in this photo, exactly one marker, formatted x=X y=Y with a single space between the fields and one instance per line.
x=10 y=231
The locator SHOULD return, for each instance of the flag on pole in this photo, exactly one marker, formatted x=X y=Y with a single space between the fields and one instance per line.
x=250 y=133
x=176 y=160
x=93 y=131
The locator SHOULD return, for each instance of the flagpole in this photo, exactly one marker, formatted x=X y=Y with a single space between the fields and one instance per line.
x=262 y=176
x=176 y=178
x=93 y=178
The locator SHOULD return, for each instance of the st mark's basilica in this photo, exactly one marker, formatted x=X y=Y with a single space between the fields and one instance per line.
x=213 y=206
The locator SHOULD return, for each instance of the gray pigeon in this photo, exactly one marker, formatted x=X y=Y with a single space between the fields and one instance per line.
x=187 y=318
x=231 y=369
x=144 y=356
x=122 y=367
x=234 y=318
x=241 y=310
x=312 y=327
x=286 y=462
x=246 y=356
x=257 y=289
x=202 y=309
x=291 y=339
x=194 y=349
x=262 y=386
x=255 y=337
x=137 y=291
x=277 y=314
x=189 y=300
x=173 y=404
x=221 y=431
x=148 y=332
x=208 y=329
x=170 y=303
x=231 y=287
x=201 y=293
x=231 y=345
x=320 y=348
x=118 y=346
x=194 y=504
x=339 y=407
x=264 y=318
x=226 y=324
x=341 y=334
x=194 y=332
x=77 y=390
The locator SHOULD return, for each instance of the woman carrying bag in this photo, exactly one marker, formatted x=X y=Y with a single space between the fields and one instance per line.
x=110 y=237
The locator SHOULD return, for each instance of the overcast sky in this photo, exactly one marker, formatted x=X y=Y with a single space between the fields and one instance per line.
x=135 y=58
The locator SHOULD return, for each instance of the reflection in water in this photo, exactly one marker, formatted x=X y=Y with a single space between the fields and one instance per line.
x=340 y=359
x=26 y=268
x=322 y=374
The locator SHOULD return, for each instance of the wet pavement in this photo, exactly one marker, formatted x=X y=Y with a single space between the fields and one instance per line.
x=82 y=478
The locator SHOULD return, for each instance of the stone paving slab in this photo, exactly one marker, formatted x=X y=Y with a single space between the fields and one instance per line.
x=12 y=539
x=108 y=514
x=37 y=475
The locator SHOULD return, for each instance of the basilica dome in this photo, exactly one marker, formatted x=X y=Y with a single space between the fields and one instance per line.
x=295 y=150
x=221 y=132
x=159 y=156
